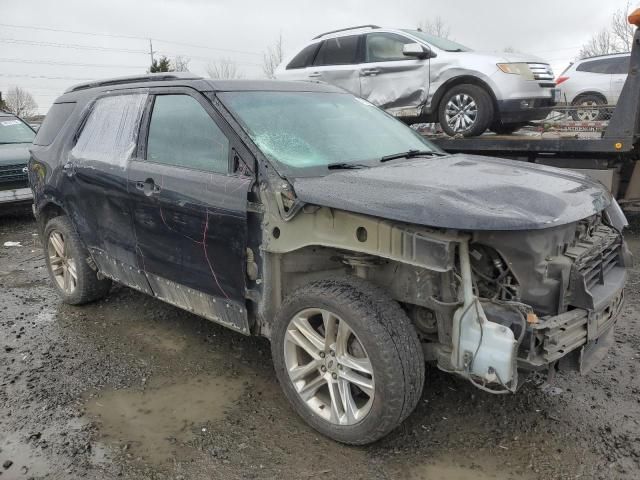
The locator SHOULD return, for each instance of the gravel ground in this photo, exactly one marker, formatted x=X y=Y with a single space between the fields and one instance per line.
x=131 y=387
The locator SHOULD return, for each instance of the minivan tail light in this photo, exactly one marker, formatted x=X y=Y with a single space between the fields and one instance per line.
x=559 y=80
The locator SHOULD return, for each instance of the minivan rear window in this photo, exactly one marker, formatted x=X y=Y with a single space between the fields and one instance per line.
x=53 y=122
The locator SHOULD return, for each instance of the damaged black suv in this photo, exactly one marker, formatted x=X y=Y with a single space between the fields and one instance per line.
x=301 y=213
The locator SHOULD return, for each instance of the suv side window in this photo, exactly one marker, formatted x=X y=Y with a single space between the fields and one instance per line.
x=181 y=133
x=57 y=116
x=338 y=51
x=110 y=131
x=604 y=65
x=620 y=66
x=385 y=47
x=304 y=58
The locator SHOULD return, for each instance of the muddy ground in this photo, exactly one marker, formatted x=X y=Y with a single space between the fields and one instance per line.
x=130 y=387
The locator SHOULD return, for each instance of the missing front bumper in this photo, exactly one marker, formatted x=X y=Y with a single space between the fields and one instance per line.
x=577 y=339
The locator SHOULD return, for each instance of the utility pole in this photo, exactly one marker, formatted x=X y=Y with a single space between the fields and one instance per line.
x=151 y=52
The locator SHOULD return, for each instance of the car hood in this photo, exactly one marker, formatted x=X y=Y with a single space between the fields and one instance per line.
x=14 y=153
x=463 y=192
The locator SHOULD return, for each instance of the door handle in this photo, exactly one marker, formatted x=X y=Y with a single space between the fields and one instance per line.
x=149 y=187
x=370 y=71
x=314 y=74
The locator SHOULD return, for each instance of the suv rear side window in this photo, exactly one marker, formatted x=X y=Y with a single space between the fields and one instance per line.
x=338 y=51
x=304 y=58
x=181 y=133
x=110 y=132
x=57 y=116
x=385 y=47
x=605 y=65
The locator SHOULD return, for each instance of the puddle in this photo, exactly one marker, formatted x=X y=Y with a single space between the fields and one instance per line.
x=27 y=463
x=155 y=423
x=443 y=471
x=168 y=342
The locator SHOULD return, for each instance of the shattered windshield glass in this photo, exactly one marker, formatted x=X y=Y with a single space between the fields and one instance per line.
x=305 y=132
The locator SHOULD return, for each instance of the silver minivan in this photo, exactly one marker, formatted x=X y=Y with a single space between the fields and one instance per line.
x=593 y=84
x=422 y=78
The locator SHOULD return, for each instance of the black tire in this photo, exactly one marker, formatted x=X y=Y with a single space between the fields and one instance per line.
x=599 y=113
x=485 y=110
x=389 y=339
x=506 y=129
x=88 y=287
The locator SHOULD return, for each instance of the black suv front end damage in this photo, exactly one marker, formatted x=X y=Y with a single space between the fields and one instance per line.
x=574 y=286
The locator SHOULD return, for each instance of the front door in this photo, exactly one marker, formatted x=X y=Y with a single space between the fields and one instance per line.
x=190 y=207
x=391 y=80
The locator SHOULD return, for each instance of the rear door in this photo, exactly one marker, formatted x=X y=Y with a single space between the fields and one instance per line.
x=336 y=63
x=190 y=207
x=94 y=183
x=389 y=79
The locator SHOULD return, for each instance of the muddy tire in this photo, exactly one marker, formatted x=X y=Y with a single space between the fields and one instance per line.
x=465 y=110
x=348 y=359
x=68 y=263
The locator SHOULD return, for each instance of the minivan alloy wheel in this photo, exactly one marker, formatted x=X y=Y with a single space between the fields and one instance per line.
x=461 y=112
x=329 y=367
x=63 y=266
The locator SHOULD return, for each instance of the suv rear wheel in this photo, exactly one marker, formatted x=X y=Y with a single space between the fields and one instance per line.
x=465 y=110
x=591 y=108
x=66 y=260
x=348 y=359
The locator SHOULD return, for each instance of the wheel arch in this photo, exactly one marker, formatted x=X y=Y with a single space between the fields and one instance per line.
x=587 y=93
x=47 y=210
x=454 y=82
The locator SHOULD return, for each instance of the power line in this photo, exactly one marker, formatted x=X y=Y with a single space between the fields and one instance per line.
x=69 y=45
x=12 y=75
x=66 y=64
x=134 y=37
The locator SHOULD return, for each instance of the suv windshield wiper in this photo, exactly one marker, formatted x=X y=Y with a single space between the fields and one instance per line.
x=345 y=166
x=411 y=154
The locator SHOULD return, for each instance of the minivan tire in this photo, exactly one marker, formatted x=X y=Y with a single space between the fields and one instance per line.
x=382 y=333
x=484 y=109
x=70 y=256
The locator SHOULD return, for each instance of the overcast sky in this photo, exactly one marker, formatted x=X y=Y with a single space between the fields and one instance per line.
x=206 y=30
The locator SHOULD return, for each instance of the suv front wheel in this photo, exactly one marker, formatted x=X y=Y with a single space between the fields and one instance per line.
x=348 y=359
x=465 y=110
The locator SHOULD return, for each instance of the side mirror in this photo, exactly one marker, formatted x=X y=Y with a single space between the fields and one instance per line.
x=417 y=51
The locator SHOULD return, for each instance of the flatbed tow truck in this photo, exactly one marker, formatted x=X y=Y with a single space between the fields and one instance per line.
x=610 y=156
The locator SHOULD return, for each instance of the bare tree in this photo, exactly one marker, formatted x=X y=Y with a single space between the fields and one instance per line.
x=617 y=38
x=272 y=57
x=436 y=27
x=181 y=64
x=621 y=29
x=21 y=103
x=510 y=49
x=224 y=69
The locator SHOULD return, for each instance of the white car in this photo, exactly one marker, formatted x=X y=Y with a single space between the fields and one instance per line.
x=594 y=83
x=423 y=78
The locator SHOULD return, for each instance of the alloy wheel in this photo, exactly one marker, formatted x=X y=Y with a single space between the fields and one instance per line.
x=63 y=266
x=588 y=114
x=329 y=367
x=461 y=112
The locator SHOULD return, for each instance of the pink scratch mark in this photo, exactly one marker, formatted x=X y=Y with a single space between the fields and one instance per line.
x=206 y=255
x=176 y=231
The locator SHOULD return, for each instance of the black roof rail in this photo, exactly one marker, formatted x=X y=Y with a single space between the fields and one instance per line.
x=149 y=77
x=344 y=30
